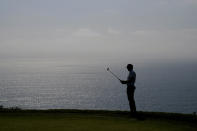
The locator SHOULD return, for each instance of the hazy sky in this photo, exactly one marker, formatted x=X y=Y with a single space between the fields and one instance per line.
x=139 y=29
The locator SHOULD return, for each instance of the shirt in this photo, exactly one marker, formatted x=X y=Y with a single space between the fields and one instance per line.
x=131 y=77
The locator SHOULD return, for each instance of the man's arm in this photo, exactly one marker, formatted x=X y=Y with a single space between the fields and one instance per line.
x=125 y=82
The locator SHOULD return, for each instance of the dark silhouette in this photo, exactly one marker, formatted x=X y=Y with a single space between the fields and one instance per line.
x=131 y=88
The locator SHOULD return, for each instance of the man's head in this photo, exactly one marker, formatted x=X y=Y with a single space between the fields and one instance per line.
x=129 y=67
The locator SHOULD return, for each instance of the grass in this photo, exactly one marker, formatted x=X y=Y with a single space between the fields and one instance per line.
x=90 y=120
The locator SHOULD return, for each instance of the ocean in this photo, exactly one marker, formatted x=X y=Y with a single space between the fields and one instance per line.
x=62 y=84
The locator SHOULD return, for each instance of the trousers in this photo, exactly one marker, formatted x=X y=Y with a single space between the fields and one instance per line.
x=130 y=95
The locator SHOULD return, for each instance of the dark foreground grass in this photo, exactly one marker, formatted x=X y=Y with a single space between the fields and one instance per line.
x=86 y=120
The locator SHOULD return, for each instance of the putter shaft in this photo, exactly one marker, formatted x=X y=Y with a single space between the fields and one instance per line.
x=113 y=73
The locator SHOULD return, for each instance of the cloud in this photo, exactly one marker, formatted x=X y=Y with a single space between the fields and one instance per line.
x=85 y=32
x=167 y=2
x=113 y=31
x=190 y=1
x=112 y=12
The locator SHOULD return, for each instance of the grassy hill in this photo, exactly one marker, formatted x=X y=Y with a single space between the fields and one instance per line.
x=93 y=120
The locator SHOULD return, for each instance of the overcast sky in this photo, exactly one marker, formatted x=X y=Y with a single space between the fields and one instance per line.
x=136 y=29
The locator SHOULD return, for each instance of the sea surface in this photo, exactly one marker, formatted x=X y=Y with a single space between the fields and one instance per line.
x=59 y=84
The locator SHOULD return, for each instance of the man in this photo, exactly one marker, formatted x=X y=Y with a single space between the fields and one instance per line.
x=131 y=88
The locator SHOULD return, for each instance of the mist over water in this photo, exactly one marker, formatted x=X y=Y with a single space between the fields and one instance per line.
x=63 y=84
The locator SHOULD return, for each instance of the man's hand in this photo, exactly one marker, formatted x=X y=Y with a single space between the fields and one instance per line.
x=121 y=81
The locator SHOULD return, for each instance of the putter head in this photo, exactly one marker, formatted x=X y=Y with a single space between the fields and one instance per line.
x=107 y=68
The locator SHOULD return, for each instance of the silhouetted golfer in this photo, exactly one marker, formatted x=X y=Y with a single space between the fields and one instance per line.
x=131 y=88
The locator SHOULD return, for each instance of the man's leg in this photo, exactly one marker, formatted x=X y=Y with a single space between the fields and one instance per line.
x=132 y=106
x=130 y=94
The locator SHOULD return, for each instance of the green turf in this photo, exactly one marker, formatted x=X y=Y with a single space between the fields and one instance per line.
x=68 y=120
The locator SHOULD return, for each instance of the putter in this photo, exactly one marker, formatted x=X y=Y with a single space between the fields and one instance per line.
x=113 y=74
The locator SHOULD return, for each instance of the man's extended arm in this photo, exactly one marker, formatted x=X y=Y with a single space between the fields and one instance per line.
x=125 y=82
